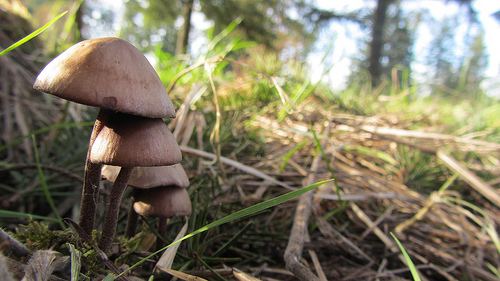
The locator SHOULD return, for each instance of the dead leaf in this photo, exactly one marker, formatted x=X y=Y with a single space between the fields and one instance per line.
x=242 y=276
x=167 y=258
x=183 y=276
x=41 y=265
x=148 y=240
x=4 y=270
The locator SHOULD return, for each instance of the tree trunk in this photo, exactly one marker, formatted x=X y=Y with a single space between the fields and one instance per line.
x=183 y=34
x=377 y=42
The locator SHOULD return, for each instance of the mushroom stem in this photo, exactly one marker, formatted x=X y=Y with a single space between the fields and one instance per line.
x=162 y=230
x=90 y=191
x=115 y=198
x=131 y=222
x=90 y=195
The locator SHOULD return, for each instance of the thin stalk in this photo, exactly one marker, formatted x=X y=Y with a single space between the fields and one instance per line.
x=90 y=196
x=162 y=230
x=113 y=207
x=90 y=191
x=131 y=222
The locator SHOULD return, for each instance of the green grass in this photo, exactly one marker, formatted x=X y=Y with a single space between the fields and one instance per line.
x=31 y=35
x=289 y=154
x=252 y=210
x=76 y=256
x=421 y=171
x=21 y=215
x=409 y=262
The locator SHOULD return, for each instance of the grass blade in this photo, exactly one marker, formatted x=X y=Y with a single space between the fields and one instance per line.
x=252 y=210
x=14 y=214
x=76 y=256
x=409 y=262
x=32 y=34
x=224 y=33
x=371 y=152
x=230 y=241
x=290 y=154
x=109 y=277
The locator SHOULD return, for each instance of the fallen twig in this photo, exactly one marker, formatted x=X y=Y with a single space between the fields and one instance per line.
x=298 y=234
x=317 y=265
x=475 y=182
x=235 y=164
x=363 y=196
x=379 y=233
x=329 y=232
x=463 y=143
x=431 y=136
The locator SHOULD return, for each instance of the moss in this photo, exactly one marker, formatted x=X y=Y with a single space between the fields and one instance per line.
x=37 y=235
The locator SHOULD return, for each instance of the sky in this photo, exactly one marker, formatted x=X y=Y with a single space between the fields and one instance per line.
x=346 y=38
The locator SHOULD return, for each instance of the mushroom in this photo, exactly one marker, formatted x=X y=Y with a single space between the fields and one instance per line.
x=145 y=178
x=150 y=177
x=113 y=75
x=162 y=202
x=130 y=141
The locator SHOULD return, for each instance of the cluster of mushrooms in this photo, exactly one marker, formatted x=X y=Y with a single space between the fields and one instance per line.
x=130 y=143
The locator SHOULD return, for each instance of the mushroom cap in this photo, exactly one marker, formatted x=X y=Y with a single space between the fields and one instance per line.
x=107 y=73
x=132 y=141
x=150 y=177
x=166 y=202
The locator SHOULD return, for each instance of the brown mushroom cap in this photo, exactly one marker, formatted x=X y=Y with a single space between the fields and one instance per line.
x=133 y=141
x=165 y=202
x=108 y=73
x=150 y=177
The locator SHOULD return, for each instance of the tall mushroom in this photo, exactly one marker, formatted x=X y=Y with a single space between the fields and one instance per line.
x=113 y=75
x=130 y=141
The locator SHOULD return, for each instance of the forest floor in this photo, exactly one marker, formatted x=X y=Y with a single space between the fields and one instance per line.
x=388 y=178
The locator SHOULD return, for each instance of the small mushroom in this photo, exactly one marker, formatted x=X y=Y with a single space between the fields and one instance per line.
x=152 y=178
x=163 y=202
x=130 y=141
x=113 y=75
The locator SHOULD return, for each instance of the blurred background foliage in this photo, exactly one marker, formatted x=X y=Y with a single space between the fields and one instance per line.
x=291 y=29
